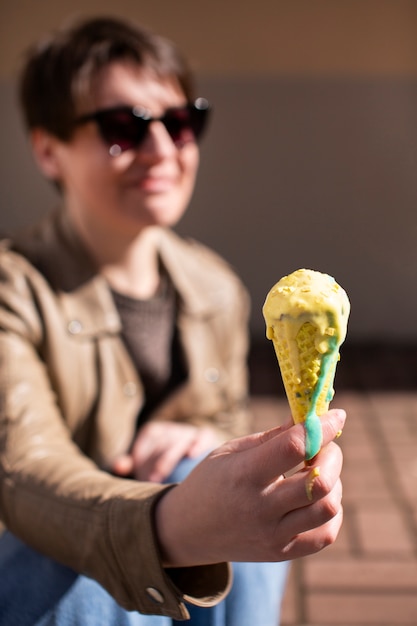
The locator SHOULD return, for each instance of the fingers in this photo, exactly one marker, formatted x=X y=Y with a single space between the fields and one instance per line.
x=160 y=446
x=123 y=465
x=206 y=439
x=312 y=541
x=159 y=464
x=311 y=483
x=313 y=515
x=278 y=451
x=313 y=496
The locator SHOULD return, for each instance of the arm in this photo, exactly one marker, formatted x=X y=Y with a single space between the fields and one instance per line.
x=55 y=498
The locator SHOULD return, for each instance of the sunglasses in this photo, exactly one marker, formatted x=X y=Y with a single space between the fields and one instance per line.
x=124 y=128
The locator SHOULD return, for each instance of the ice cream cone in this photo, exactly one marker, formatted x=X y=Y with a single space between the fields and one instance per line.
x=306 y=317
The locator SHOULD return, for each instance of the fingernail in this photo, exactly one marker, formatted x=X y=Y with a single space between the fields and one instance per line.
x=341 y=414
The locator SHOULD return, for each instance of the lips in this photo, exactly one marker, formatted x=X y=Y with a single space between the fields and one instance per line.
x=156 y=184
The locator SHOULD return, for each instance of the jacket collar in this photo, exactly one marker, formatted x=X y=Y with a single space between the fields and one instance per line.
x=196 y=274
x=56 y=250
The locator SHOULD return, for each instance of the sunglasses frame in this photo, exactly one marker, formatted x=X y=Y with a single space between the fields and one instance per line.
x=139 y=119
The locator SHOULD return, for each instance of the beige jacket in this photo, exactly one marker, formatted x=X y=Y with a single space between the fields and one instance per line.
x=69 y=398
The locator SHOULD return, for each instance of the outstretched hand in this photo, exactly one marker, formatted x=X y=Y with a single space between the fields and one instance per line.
x=160 y=446
x=237 y=505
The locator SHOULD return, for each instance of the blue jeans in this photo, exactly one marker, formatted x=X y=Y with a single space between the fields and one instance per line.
x=37 y=591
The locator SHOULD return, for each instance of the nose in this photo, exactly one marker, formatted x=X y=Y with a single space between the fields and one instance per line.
x=157 y=143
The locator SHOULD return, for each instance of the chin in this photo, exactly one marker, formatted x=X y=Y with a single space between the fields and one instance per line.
x=165 y=217
x=158 y=209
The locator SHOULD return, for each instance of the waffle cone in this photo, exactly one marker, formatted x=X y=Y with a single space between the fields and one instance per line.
x=301 y=363
x=306 y=317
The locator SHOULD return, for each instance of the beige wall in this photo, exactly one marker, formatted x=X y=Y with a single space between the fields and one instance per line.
x=230 y=37
x=312 y=155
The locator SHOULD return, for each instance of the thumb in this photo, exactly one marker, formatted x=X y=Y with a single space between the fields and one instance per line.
x=253 y=440
x=123 y=465
x=279 y=450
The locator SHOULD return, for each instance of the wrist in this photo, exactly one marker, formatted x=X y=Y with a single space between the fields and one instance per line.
x=169 y=543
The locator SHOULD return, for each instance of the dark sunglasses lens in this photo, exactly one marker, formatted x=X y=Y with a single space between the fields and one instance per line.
x=185 y=124
x=122 y=128
x=198 y=118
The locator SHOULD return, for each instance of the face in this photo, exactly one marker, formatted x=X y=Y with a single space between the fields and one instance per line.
x=143 y=186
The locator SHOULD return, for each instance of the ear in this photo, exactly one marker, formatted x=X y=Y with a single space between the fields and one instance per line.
x=45 y=150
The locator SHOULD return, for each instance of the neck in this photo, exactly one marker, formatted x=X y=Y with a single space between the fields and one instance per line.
x=128 y=259
x=135 y=272
x=129 y=264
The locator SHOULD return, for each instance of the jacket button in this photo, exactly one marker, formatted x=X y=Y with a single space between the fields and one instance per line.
x=130 y=389
x=155 y=595
x=212 y=374
x=74 y=327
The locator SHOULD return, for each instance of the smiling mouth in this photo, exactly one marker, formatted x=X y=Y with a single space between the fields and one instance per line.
x=156 y=184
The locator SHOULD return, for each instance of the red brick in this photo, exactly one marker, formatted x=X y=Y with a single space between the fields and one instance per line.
x=364 y=481
x=370 y=609
x=384 y=531
x=360 y=575
x=369 y=576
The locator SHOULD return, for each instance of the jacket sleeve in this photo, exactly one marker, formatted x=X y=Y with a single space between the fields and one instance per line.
x=56 y=499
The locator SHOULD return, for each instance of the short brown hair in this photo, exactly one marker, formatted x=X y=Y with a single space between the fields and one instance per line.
x=60 y=71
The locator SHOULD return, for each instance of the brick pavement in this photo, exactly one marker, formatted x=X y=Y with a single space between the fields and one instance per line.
x=369 y=576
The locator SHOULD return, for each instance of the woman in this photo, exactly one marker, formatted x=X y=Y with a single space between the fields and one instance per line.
x=122 y=352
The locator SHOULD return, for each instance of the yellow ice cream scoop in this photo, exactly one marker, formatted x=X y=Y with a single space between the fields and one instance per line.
x=306 y=316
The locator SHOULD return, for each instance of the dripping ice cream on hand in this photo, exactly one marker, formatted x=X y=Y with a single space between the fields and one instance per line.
x=306 y=316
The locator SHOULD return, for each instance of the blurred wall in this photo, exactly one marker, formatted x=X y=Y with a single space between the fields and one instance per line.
x=311 y=159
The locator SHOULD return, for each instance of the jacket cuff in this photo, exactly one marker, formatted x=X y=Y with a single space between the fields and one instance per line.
x=203 y=585
x=147 y=587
